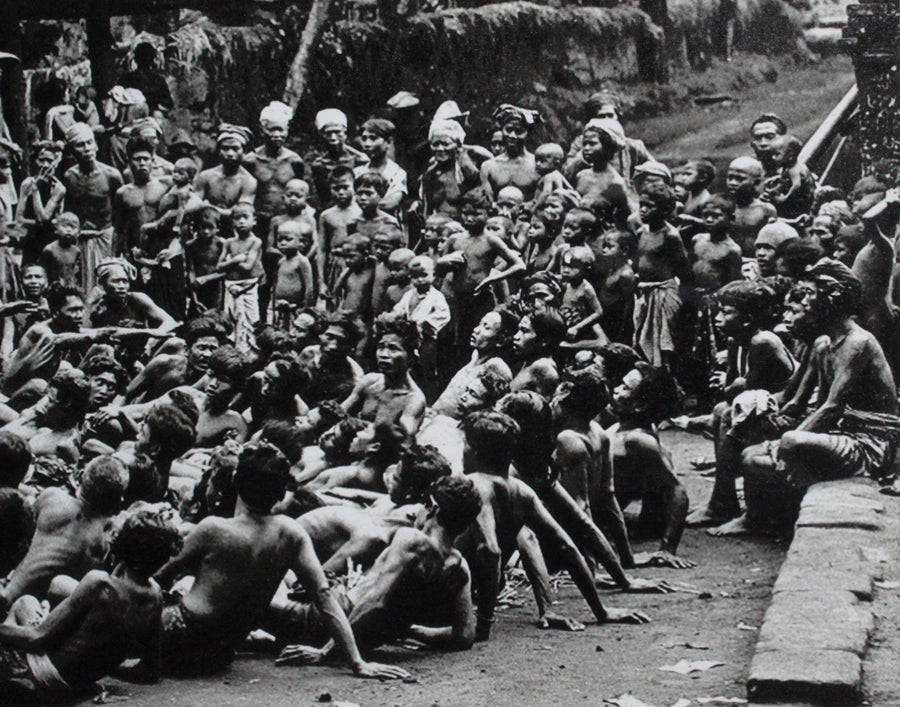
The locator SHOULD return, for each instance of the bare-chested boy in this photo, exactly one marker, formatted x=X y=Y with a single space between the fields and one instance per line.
x=742 y=183
x=242 y=265
x=335 y=225
x=107 y=617
x=62 y=259
x=354 y=288
x=70 y=536
x=615 y=281
x=237 y=564
x=294 y=284
x=715 y=257
x=375 y=137
x=202 y=255
x=548 y=161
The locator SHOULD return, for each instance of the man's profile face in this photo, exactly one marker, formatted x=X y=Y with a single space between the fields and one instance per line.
x=525 y=340
x=811 y=317
x=71 y=314
x=763 y=140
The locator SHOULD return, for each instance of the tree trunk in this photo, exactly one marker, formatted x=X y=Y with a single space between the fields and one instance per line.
x=295 y=85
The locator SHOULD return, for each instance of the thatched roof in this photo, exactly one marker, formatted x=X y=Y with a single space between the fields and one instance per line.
x=75 y=9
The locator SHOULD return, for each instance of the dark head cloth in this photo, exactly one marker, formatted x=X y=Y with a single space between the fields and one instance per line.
x=507 y=112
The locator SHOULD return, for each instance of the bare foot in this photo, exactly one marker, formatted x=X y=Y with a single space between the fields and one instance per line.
x=702 y=463
x=625 y=616
x=704 y=518
x=738 y=526
x=661 y=558
x=562 y=623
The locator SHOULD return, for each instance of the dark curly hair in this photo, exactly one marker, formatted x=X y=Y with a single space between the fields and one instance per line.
x=145 y=542
x=420 y=467
x=401 y=327
x=457 y=501
x=262 y=476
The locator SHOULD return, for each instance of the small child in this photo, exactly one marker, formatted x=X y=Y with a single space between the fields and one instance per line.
x=694 y=180
x=296 y=208
x=431 y=241
x=715 y=257
x=398 y=277
x=539 y=246
x=548 y=161
x=294 y=278
x=85 y=108
x=201 y=259
x=428 y=308
x=335 y=225
x=579 y=228
x=383 y=244
x=180 y=197
x=241 y=263
x=509 y=202
x=581 y=307
x=750 y=213
x=370 y=189
x=617 y=283
x=62 y=258
x=354 y=286
x=793 y=190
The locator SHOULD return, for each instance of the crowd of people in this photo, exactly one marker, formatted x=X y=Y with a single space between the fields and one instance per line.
x=325 y=399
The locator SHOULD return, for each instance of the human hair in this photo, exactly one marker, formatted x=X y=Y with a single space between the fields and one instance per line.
x=495 y=383
x=586 y=392
x=706 y=171
x=553 y=150
x=189 y=166
x=137 y=144
x=420 y=467
x=373 y=180
x=658 y=392
x=146 y=540
x=342 y=171
x=401 y=327
x=57 y=295
x=103 y=483
x=457 y=501
x=838 y=286
x=532 y=413
x=388 y=442
x=852 y=238
x=242 y=206
x=228 y=362
x=662 y=195
x=492 y=436
x=335 y=441
x=73 y=390
x=261 y=476
x=780 y=125
x=549 y=327
x=67 y=217
x=617 y=359
x=203 y=326
x=293 y=375
x=721 y=202
x=628 y=241
x=584 y=219
x=170 y=430
x=358 y=242
x=755 y=301
x=580 y=254
x=348 y=323
x=477 y=198
x=797 y=254
x=102 y=362
x=380 y=127
x=286 y=437
x=15 y=458
x=599 y=99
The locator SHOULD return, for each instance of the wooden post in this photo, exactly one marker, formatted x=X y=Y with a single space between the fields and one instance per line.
x=295 y=86
x=100 y=44
x=12 y=83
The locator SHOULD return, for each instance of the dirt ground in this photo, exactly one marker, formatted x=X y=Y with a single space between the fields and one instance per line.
x=523 y=664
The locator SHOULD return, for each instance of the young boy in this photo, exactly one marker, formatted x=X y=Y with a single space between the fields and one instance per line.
x=370 y=188
x=384 y=243
x=398 y=278
x=715 y=257
x=428 y=308
x=472 y=255
x=202 y=255
x=296 y=208
x=181 y=197
x=240 y=261
x=335 y=224
x=375 y=138
x=750 y=214
x=603 y=190
x=580 y=306
x=695 y=178
x=616 y=282
x=353 y=288
x=578 y=229
x=294 y=287
x=792 y=191
x=548 y=161
x=62 y=258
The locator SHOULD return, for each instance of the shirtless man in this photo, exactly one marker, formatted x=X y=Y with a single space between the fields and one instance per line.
x=167 y=371
x=390 y=395
x=742 y=184
x=419 y=586
x=237 y=564
x=765 y=132
x=70 y=536
x=536 y=342
x=642 y=467
x=108 y=617
x=228 y=183
x=51 y=427
x=137 y=203
x=335 y=373
x=516 y=166
x=851 y=430
x=508 y=505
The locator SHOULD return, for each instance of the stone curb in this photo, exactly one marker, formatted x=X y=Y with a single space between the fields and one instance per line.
x=816 y=629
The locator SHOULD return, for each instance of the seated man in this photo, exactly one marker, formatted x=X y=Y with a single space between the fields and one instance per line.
x=341 y=533
x=854 y=428
x=16 y=518
x=642 y=467
x=217 y=421
x=52 y=426
x=419 y=587
x=237 y=564
x=508 y=505
x=108 y=618
x=70 y=533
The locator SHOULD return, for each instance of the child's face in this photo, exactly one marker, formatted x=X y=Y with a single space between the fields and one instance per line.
x=342 y=191
x=288 y=241
x=373 y=145
x=537 y=230
x=497 y=146
x=553 y=211
x=716 y=218
x=66 y=230
x=382 y=247
x=594 y=148
x=208 y=227
x=610 y=247
x=243 y=220
x=181 y=177
x=367 y=198
x=842 y=253
x=729 y=321
x=82 y=100
x=681 y=193
x=473 y=217
x=740 y=182
x=495 y=227
x=572 y=230
x=571 y=270
x=687 y=176
x=650 y=210
x=356 y=257
x=507 y=206
x=398 y=271
x=422 y=276
x=295 y=198
x=545 y=162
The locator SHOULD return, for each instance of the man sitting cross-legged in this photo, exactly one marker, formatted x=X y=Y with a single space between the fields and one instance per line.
x=237 y=564
x=419 y=579
x=108 y=617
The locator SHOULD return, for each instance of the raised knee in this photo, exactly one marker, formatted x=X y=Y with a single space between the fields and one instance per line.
x=790 y=442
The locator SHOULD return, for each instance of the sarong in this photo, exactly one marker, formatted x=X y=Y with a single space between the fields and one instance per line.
x=656 y=307
x=242 y=309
